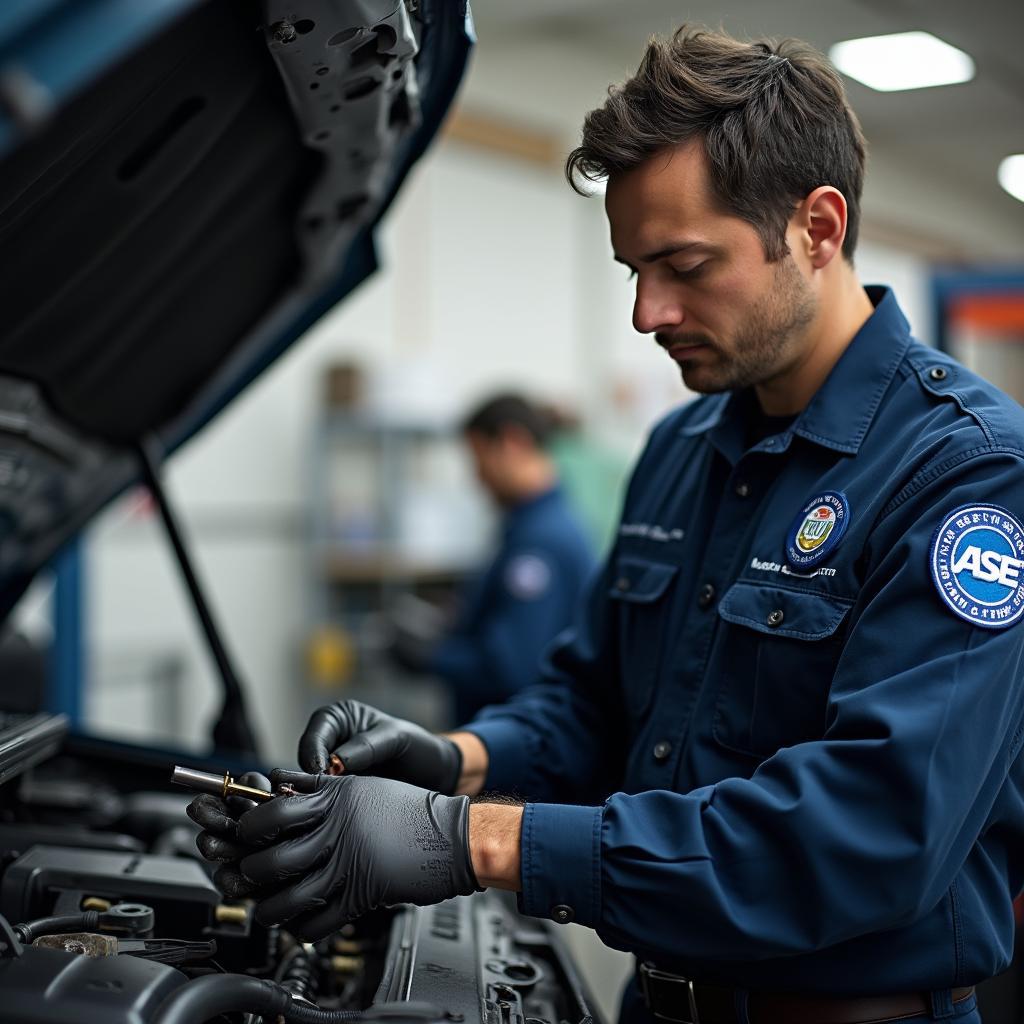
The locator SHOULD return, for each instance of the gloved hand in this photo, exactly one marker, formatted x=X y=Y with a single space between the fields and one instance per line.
x=415 y=629
x=219 y=841
x=351 y=845
x=411 y=652
x=369 y=741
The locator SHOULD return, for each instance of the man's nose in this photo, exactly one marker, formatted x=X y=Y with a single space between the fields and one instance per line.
x=655 y=309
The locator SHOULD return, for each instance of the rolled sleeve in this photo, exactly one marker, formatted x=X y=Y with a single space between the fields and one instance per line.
x=561 y=863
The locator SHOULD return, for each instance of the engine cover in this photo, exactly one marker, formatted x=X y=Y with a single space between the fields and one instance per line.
x=44 y=986
x=179 y=890
x=479 y=960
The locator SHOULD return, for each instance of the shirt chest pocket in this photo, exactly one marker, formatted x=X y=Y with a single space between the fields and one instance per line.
x=639 y=596
x=777 y=652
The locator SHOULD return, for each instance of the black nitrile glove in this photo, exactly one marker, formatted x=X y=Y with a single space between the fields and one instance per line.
x=346 y=844
x=369 y=741
x=415 y=629
x=219 y=841
x=410 y=652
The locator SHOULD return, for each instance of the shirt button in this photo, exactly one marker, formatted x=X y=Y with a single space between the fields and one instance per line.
x=662 y=749
x=742 y=490
x=937 y=373
x=706 y=597
x=775 y=618
x=563 y=913
x=622 y=583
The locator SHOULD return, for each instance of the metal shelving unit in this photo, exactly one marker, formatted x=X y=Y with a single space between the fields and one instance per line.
x=366 y=474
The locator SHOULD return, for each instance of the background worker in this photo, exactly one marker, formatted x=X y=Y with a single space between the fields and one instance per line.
x=778 y=757
x=526 y=595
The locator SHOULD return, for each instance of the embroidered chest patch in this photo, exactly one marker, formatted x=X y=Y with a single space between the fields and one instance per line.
x=527 y=577
x=818 y=529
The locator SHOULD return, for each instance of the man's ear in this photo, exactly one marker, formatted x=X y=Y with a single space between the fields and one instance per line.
x=820 y=223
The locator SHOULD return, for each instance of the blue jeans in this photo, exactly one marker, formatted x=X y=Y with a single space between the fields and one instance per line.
x=633 y=1011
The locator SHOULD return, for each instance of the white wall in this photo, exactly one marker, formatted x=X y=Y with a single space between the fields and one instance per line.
x=908 y=276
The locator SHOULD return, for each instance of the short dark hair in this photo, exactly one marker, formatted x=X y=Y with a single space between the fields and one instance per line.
x=496 y=414
x=772 y=116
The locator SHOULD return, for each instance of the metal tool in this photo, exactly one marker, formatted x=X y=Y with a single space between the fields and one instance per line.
x=222 y=786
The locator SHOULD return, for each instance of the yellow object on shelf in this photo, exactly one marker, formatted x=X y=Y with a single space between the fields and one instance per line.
x=330 y=657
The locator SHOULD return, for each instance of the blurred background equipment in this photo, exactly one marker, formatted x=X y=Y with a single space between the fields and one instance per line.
x=394 y=519
x=980 y=315
x=417 y=627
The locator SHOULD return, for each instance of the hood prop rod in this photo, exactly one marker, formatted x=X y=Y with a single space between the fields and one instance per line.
x=232 y=730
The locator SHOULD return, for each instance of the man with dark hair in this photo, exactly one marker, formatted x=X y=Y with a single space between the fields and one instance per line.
x=527 y=593
x=772 y=120
x=778 y=757
x=496 y=416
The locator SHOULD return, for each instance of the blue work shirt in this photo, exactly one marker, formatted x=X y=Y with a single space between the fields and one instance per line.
x=781 y=779
x=516 y=608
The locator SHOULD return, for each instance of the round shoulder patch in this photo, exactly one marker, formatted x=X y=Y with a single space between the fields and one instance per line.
x=976 y=560
x=818 y=529
x=527 y=577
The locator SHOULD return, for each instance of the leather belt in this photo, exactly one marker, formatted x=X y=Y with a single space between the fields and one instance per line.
x=671 y=997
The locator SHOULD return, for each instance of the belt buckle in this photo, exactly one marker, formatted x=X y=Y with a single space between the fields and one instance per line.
x=647 y=972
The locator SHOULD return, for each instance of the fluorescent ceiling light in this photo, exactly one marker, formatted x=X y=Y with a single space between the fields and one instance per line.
x=904 y=60
x=1011 y=175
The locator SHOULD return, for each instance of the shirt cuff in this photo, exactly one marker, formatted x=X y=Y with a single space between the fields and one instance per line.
x=506 y=756
x=561 y=863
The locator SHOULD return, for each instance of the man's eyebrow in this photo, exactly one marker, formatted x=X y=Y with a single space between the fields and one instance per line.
x=671 y=250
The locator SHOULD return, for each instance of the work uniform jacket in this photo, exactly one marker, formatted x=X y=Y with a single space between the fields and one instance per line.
x=517 y=606
x=779 y=748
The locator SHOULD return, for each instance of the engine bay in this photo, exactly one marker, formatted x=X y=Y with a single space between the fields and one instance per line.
x=109 y=914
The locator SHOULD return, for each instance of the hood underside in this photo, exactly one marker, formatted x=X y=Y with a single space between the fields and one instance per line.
x=176 y=213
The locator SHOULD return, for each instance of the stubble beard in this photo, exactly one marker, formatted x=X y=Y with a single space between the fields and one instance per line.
x=765 y=343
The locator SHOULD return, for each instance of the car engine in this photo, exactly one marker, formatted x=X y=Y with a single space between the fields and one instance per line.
x=109 y=914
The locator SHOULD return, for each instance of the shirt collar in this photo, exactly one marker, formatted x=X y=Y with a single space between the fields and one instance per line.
x=843 y=408
x=514 y=513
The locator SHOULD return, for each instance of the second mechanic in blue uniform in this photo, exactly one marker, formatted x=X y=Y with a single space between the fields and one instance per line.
x=778 y=756
x=526 y=594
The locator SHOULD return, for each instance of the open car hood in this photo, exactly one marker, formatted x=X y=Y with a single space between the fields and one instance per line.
x=185 y=186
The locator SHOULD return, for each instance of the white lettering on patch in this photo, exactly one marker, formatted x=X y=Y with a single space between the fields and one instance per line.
x=651 y=531
x=769 y=566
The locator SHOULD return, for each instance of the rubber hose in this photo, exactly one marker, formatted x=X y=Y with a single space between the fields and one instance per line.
x=299 y=1013
x=298 y=975
x=202 y=998
x=28 y=932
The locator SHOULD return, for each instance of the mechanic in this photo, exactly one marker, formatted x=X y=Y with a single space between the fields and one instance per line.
x=777 y=756
x=526 y=595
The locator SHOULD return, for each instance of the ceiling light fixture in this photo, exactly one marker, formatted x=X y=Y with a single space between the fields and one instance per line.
x=1011 y=175
x=904 y=60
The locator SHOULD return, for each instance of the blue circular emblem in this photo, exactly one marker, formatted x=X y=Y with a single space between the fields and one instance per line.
x=818 y=529
x=977 y=563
